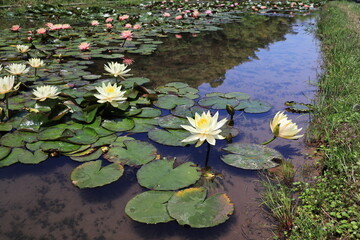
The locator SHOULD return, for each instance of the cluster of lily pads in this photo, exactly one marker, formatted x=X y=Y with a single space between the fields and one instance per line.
x=58 y=107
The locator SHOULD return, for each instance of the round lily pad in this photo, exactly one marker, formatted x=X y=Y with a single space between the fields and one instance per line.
x=144 y=124
x=136 y=153
x=119 y=125
x=184 y=111
x=91 y=174
x=170 y=137
x=4 y=151
x=84 y=136
x=171 y=101
x=237 y=95
x=251 y=156
x=191 y=207
x=253 y=106
x=149 y=112
x=170 y=121
x=149 y=207
x=160 y=175
x=217 y=102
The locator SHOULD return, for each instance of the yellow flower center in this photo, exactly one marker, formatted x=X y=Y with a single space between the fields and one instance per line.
x=110 y=89
x=202 y=122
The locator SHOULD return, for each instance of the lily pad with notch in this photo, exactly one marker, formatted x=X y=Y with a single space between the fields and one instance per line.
x=91 y=174
x=253 y=106
x=169 y=137
x=150 y=207
x=161 y=175
x=191 y=207
x=251 y=156
x=217 y=102
x=171 y=101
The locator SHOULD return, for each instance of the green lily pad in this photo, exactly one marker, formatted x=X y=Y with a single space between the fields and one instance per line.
x=48 y=146
x=87 y=155
x=217 y=102
x=169 y=137
x=119 y=142
x=149 y=112
x=107 y=140
x=237 y=95
x=215 y=94
x=191 y=207
x=144 y=124
x=136 y=153
x=17 y=138
x=171 y=101
x=177 y=85
x=30 y=158
x=54 y=133
x=160 y=175
x=119 y=125
x=4 y=151
x=149 y=207
x=91 y=174
x=184 y=111
x=295 y=107
x=33 y=121
x=129 y=83
x=5 y=127
x=253 y=106
x=251 y=156
x=84 y=136
x=172 y=122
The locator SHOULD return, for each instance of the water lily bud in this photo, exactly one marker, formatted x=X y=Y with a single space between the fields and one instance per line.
x=104 y=149
x=230 y=109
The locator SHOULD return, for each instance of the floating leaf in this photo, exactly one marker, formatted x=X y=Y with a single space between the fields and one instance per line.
x=4 y=151
x=84 y=136
x=149 y=207
x=160 y=175
x=91 y=174
x=170 y=121
x=33 y=121
x=190 y=207
x=148 y=112
x=177 y=85
x=253 y=106
x=171 y=101
x=30 y=158
x=237 y=95
x=295 y=107
x=185 y=111
x=251 y=156
x=136 y=153
x=217 y=102
x=87 y=155
x=144 y=124
x=107 y=140
x=169 y=137
x=119 y=125
x=129 y=83
x=49 y=146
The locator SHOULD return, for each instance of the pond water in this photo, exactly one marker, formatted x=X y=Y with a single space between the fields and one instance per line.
x=271 y=58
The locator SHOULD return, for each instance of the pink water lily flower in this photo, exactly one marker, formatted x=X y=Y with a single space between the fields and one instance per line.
x=166 y=14
x=123 y=17
x=179 y=17
x=108 y=20
x=41 y=31
x=208 y=12
x=128 y=61
x=94 y=23
x=84 y=46
x=127 y=35
x=195 y=14
x=66 y=26
x=137 y=26
x=15 y=28
x=128 y=25
x=108 y=26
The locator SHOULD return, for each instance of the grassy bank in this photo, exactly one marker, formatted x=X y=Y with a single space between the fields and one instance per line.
x=330 y=208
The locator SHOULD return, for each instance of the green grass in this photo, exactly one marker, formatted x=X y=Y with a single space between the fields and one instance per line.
x=330 y=207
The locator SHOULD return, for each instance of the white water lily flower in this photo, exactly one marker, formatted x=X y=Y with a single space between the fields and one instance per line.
x=43 y=92
x=36 y=62
x=203 y=128
x=6 y=84
x=282 y=127
x=17 y=69
x=22 y=48
x=117 y=69
x=110 y=93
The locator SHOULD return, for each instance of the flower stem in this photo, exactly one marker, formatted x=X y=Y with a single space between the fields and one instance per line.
x=269 y=141
x=207 y=154
x=7 y=106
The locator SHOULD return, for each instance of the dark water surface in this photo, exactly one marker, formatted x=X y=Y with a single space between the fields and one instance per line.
x=272 y=59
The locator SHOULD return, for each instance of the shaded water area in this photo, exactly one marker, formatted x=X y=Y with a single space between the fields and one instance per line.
x=272 y=59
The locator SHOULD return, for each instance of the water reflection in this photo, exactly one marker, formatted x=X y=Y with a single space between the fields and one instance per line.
x=206 y=57
x=261 y=56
